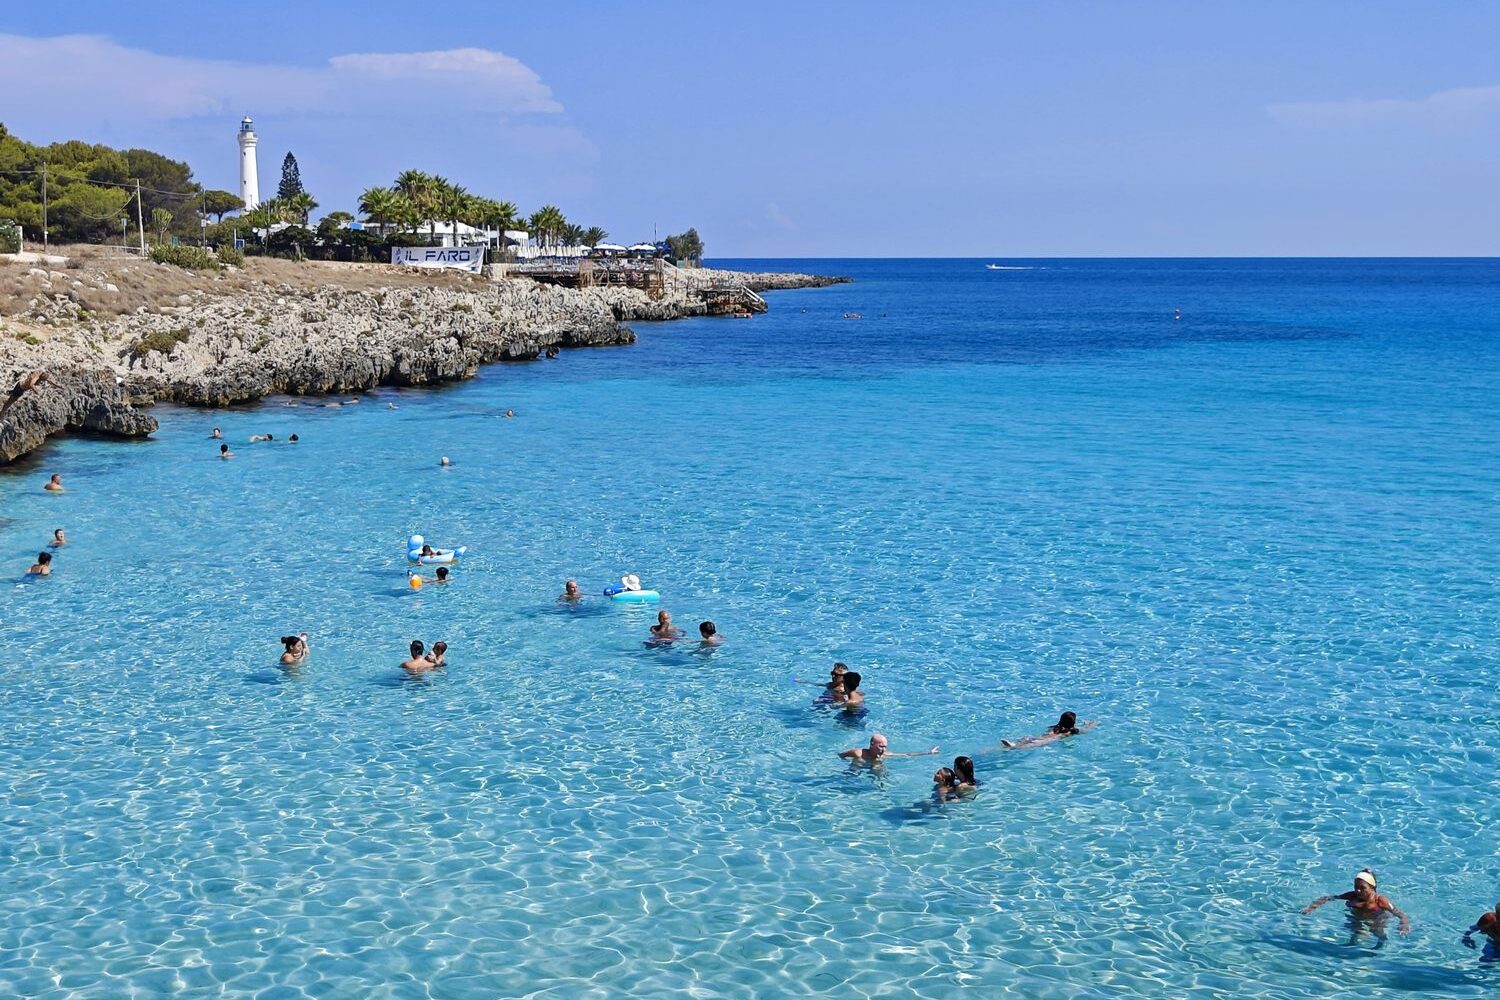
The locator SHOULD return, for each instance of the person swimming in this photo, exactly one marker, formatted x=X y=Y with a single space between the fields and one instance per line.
x=260 y=437
x=445 y=461
x=1488 y=924
x=1067 y=725
x=439 y=655
x=709 y=635
x=571 y=594
x=664 y=631
x=293 y=439
x=854 y=699
x=1365 y=905
x=217 y=435
x=58 y=539
x=418 y=663
x=879 y=750
x=42 y=566
x=224 y=451
x=294 y=649
x=54 y=485
x=442 y=577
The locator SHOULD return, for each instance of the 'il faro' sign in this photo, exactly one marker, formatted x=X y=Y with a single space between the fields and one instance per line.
x=463 y=258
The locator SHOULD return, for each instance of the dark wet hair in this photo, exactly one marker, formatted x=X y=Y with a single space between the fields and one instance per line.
x=417 y=648
x=837 y=667
x=442 y=572
x=44 y=557
x=947 y=776
x=440 y=647
x=963 y=770
x=1067 y=723
x=707 y=628
x=223 y=448
x=851 y=681
x=290 y=640
x=292 y=438
x=270 y=437
x=56 y=532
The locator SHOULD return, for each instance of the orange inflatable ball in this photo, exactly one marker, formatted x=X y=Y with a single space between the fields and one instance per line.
x=416 y=583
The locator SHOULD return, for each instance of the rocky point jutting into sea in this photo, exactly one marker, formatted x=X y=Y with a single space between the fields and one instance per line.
x=116 y=335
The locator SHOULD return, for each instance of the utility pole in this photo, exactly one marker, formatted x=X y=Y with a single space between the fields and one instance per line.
x=44 y=206
x=140 y=223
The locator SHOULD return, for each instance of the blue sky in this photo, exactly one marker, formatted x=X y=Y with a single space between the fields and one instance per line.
x=827 y=128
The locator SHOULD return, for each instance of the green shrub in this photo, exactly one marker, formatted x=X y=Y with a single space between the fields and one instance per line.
x=10 y=237
x=162 y=341
x=230 y=257
x=192 y=258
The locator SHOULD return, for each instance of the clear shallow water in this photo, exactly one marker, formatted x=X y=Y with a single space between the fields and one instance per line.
x=1258 y=544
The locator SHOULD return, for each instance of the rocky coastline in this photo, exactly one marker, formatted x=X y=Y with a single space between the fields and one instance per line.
x=205 y=341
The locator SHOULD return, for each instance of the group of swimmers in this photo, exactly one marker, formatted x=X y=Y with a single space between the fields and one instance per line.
x=43 y=564
x=224 y=451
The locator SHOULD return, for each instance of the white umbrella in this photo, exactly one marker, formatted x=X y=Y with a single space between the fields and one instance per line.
x=609 y=246
x=643 y=246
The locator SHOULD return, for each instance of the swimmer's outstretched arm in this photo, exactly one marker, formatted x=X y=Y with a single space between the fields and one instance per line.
x=1404 y=927
x=1324 y=899
x=919 y=753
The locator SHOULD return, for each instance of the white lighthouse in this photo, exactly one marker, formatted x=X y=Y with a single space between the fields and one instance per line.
x=249 y=178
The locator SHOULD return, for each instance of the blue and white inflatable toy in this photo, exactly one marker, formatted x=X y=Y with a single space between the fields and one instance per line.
x=629 y=591
x=414 y=546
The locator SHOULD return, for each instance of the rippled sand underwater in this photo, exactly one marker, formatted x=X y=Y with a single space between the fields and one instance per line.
x=1259 y=545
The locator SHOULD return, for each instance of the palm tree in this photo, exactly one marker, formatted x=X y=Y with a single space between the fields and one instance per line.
x=453 y=203
x=301 y=206
x=421 y=191
x=593 y=236
x=548 y=223
x=499 y=216
x=380 y=205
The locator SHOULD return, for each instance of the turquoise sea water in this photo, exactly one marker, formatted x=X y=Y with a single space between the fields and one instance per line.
x=1259 y=544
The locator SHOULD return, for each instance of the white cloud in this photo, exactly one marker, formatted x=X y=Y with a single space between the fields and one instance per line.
x=1445 y=107
x=82 y=79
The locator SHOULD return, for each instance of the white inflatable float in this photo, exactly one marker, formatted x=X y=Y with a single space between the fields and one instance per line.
x=629 y=591
x=437 y=556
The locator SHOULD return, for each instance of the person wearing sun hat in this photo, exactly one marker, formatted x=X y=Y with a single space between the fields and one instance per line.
x=1365 y=905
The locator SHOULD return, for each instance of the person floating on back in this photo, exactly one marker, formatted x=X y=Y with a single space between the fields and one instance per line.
x=1366 y=907
x=877 y=751
x=1066 y=726
x=42 y=566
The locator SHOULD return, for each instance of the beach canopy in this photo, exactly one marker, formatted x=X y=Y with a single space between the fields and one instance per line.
x=648 y=247
x=609 y=246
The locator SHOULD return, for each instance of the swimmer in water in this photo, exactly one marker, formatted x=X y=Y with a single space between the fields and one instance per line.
x=1067 y=725
x=445 y=461
x=294 y=648
x=42 y=566
x=54 y=485
x=58 y=540
x=292 y=440
x=418 y=663
x=709 y=635
x=217 y=435
x=571 y=594
x=834 y=678
x=854 y=699
x=390 y=406
x=1488 y=924
x=260 y=437
x=439 y=655
x=427 y=550
x=509 y=414
x=224 y=451
x=664 y=630
x=878 y=751
x=1365 y=906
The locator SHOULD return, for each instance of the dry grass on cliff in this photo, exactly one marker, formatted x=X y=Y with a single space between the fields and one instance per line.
x=145 y=284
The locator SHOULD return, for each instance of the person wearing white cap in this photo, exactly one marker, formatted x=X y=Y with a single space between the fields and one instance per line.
x=1365 y=906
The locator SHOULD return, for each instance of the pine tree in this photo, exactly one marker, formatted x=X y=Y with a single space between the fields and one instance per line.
x=291 y=179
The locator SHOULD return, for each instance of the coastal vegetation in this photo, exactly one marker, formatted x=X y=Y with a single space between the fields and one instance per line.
x=86 y=193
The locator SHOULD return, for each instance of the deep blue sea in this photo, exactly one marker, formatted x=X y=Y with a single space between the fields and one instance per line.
x=1259 y=544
